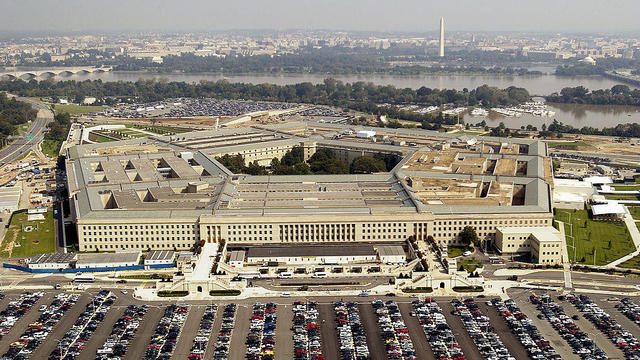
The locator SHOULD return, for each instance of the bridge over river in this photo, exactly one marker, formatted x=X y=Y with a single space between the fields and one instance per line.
x=50 y=72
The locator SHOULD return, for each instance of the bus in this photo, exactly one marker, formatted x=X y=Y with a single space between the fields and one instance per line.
x=249 y=275
x=496 y=260
x=285 y=275
x=319 y=275
x=80 y=277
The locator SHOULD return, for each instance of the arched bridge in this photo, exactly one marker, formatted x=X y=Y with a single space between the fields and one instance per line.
x=52 y=72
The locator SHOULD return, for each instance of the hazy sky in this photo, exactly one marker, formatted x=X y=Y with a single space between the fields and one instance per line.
x=387 y=15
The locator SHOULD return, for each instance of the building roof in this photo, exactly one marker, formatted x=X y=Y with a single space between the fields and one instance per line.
x=390 y=250
x=237 y=255
x=108 y=258
x=310 y=251
x=160 y=255
x=573 y=183
x=147 y=179
x=541 y=233
x=610 y=208
x=595 y=180
x=52 y=258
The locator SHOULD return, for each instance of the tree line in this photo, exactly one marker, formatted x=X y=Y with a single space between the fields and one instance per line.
x=617 y=95
x=360 y=96
x=12 y=114
x=322 y=162
x=621 y=130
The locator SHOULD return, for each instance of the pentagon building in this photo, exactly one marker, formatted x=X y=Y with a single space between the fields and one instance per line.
x=169 y=192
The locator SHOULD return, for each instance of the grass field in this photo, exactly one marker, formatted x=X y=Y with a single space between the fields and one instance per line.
x=609 y=241
x=469 y=132
x=99 y=138
x=568 y=145
x=621 y=197
x=31 y=243
x=633 y=263
x=470 y=265
x=130 y=132
x=73 y=109
x=24 y=127
x=634 y=211
x=630 y=187
x=50 y=148
x=455 y=251
x=161 y=130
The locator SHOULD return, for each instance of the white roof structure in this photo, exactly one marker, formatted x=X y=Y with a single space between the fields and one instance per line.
x=541 y=233
x=610 y=208
x=598 y=180
x=571 y=183
x=9 y=198
x=566 y=197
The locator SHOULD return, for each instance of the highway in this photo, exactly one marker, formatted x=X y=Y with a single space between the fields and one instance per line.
x=612 y=157
x=18 y=147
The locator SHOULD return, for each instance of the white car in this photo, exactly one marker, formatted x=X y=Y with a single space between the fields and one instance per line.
x=467 y=253
x=125 y=292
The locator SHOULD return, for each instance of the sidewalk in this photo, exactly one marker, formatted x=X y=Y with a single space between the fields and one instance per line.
x=568 y=283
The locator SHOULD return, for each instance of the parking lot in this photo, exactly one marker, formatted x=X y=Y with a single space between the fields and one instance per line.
x=90 y=325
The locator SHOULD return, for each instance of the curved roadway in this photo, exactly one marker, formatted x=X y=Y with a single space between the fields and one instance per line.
x=18 y=147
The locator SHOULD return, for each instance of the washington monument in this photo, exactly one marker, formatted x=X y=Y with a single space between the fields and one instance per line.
x=442 y=37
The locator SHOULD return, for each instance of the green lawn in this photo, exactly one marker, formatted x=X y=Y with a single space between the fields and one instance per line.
x=621 y=197
x=24 y=127
x=469 y=132
x=31 y=243
x=634 y=211
x=161 y=130
x=73 y=109
x=455 y=251
x=562 y=145
x=470 y=265
x=610 y=240
x=130 y=132
x=99 y=138
x=629 y=187
x=50 y=148
x=633 y=263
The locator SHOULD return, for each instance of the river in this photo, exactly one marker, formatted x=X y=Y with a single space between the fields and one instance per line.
x=535 y=84
x=571 y=114
x=576 y=115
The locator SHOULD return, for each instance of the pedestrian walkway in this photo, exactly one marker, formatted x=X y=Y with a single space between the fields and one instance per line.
x=565 y=257
x=635 y=236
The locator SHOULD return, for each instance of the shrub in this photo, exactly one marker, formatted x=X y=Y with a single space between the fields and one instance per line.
x=468 y=289
x=166 y=293
x=230 y=292
x=417 y=290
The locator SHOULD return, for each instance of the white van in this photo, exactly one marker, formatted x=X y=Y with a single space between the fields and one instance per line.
x=319 y=275
x=285 y=275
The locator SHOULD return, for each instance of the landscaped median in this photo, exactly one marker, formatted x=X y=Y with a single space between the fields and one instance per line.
x=467 y=289
x=167 y=293
x=230 y=292
x=418 y=290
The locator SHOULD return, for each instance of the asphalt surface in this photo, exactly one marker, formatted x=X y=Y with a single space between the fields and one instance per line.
x=18 y=147
x=326 y=321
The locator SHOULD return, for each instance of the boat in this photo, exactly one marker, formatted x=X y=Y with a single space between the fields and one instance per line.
x=479 y=112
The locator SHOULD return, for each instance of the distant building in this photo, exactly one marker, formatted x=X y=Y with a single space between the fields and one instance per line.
x=441 y=37
x=588 y=60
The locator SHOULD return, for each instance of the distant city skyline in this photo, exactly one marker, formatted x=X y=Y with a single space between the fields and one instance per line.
x=355 y=15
